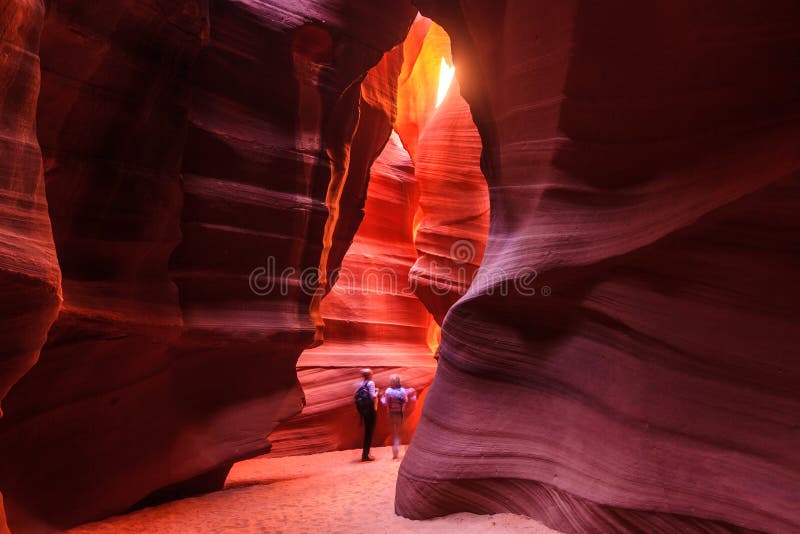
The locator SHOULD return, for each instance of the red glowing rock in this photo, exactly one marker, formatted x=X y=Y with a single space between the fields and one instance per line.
x=391 y=332
x=454 y=203
x=184 y=145
x=424 y=48
x=29 y=274
x=372 y=319
x=625 y=359
x=3 y=525
x=30 y=279
x=643 y=161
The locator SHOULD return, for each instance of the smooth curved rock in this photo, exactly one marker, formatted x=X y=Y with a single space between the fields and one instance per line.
x=453 y=215
x=642 y=162
x=391 y=332
x=454 y=206
x=424 y=48
x=30 y=279
x=98 y=409
x=371 y=319
x=185 y=143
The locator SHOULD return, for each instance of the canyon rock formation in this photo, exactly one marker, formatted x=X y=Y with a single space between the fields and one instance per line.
x=183 y=183
x=427 y=203
x=454 y=206
x=372 y=319
x=426 y=45
x=436 y=127
x=641 y=374
x=185 y=144
x=30 y=279
x=3 y=524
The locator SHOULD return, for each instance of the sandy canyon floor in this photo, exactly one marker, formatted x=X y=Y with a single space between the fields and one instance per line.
x=331 y=492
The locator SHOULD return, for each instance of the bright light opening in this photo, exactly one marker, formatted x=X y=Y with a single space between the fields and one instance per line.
x=446 y=73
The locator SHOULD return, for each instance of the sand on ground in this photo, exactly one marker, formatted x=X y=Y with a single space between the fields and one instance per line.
x=330 y=492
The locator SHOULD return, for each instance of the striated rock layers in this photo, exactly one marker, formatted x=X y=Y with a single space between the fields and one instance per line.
x=642 y=373
x=30 y=289
x=428 y=195
x=193 y=153
x=372 y=319
x=29 y=274
x=452 y=219
x=454 y=206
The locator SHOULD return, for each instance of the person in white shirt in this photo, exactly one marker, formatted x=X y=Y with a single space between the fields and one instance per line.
x=396 y=398
x=365 y=398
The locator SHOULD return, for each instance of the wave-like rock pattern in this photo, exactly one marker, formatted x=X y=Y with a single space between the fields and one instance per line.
x=185 y=142
x=29 y=272
x=371 y=317
x=643 y=161
x=97 y=409
x=453 y=213
x=391 y=332
x=30 y=278
x=454 y=206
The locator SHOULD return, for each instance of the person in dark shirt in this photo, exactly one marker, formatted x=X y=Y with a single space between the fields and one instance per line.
x=366 y=397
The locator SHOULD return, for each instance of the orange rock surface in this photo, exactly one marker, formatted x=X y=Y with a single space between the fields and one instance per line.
x=30 y=279
x=453 y=221
x=424 y=48
x=417 y=214
x=371 y=319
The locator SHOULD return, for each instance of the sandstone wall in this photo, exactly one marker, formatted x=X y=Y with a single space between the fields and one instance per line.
x=642 y=163
x=184 y=144
x=372 y=319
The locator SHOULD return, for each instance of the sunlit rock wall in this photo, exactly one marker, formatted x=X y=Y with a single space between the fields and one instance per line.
x=642 y=161
x=424 y=49
x=454 y=206
x=372 y=319
x=185 y=144
x=427 y=199
x=435 y=125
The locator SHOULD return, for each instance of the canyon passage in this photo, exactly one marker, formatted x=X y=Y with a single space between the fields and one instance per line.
x=570 y=226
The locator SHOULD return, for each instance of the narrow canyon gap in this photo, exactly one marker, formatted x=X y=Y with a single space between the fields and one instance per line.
x=426 y=201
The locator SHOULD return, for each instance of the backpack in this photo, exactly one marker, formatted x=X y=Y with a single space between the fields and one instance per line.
x=363 y=399
x=396 y=403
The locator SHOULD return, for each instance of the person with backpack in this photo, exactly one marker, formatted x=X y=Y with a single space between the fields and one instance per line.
x=396 y=398
x=365 y=398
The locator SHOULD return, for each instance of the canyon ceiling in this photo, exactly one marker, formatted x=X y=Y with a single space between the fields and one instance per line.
x=625 y=358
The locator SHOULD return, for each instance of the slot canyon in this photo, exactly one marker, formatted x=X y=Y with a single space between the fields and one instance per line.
x=570 y=226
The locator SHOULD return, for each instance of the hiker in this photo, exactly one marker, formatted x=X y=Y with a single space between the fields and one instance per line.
x=366 y=396
x=396 y=398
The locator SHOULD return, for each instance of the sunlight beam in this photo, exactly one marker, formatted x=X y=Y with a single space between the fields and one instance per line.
x=446 y=73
